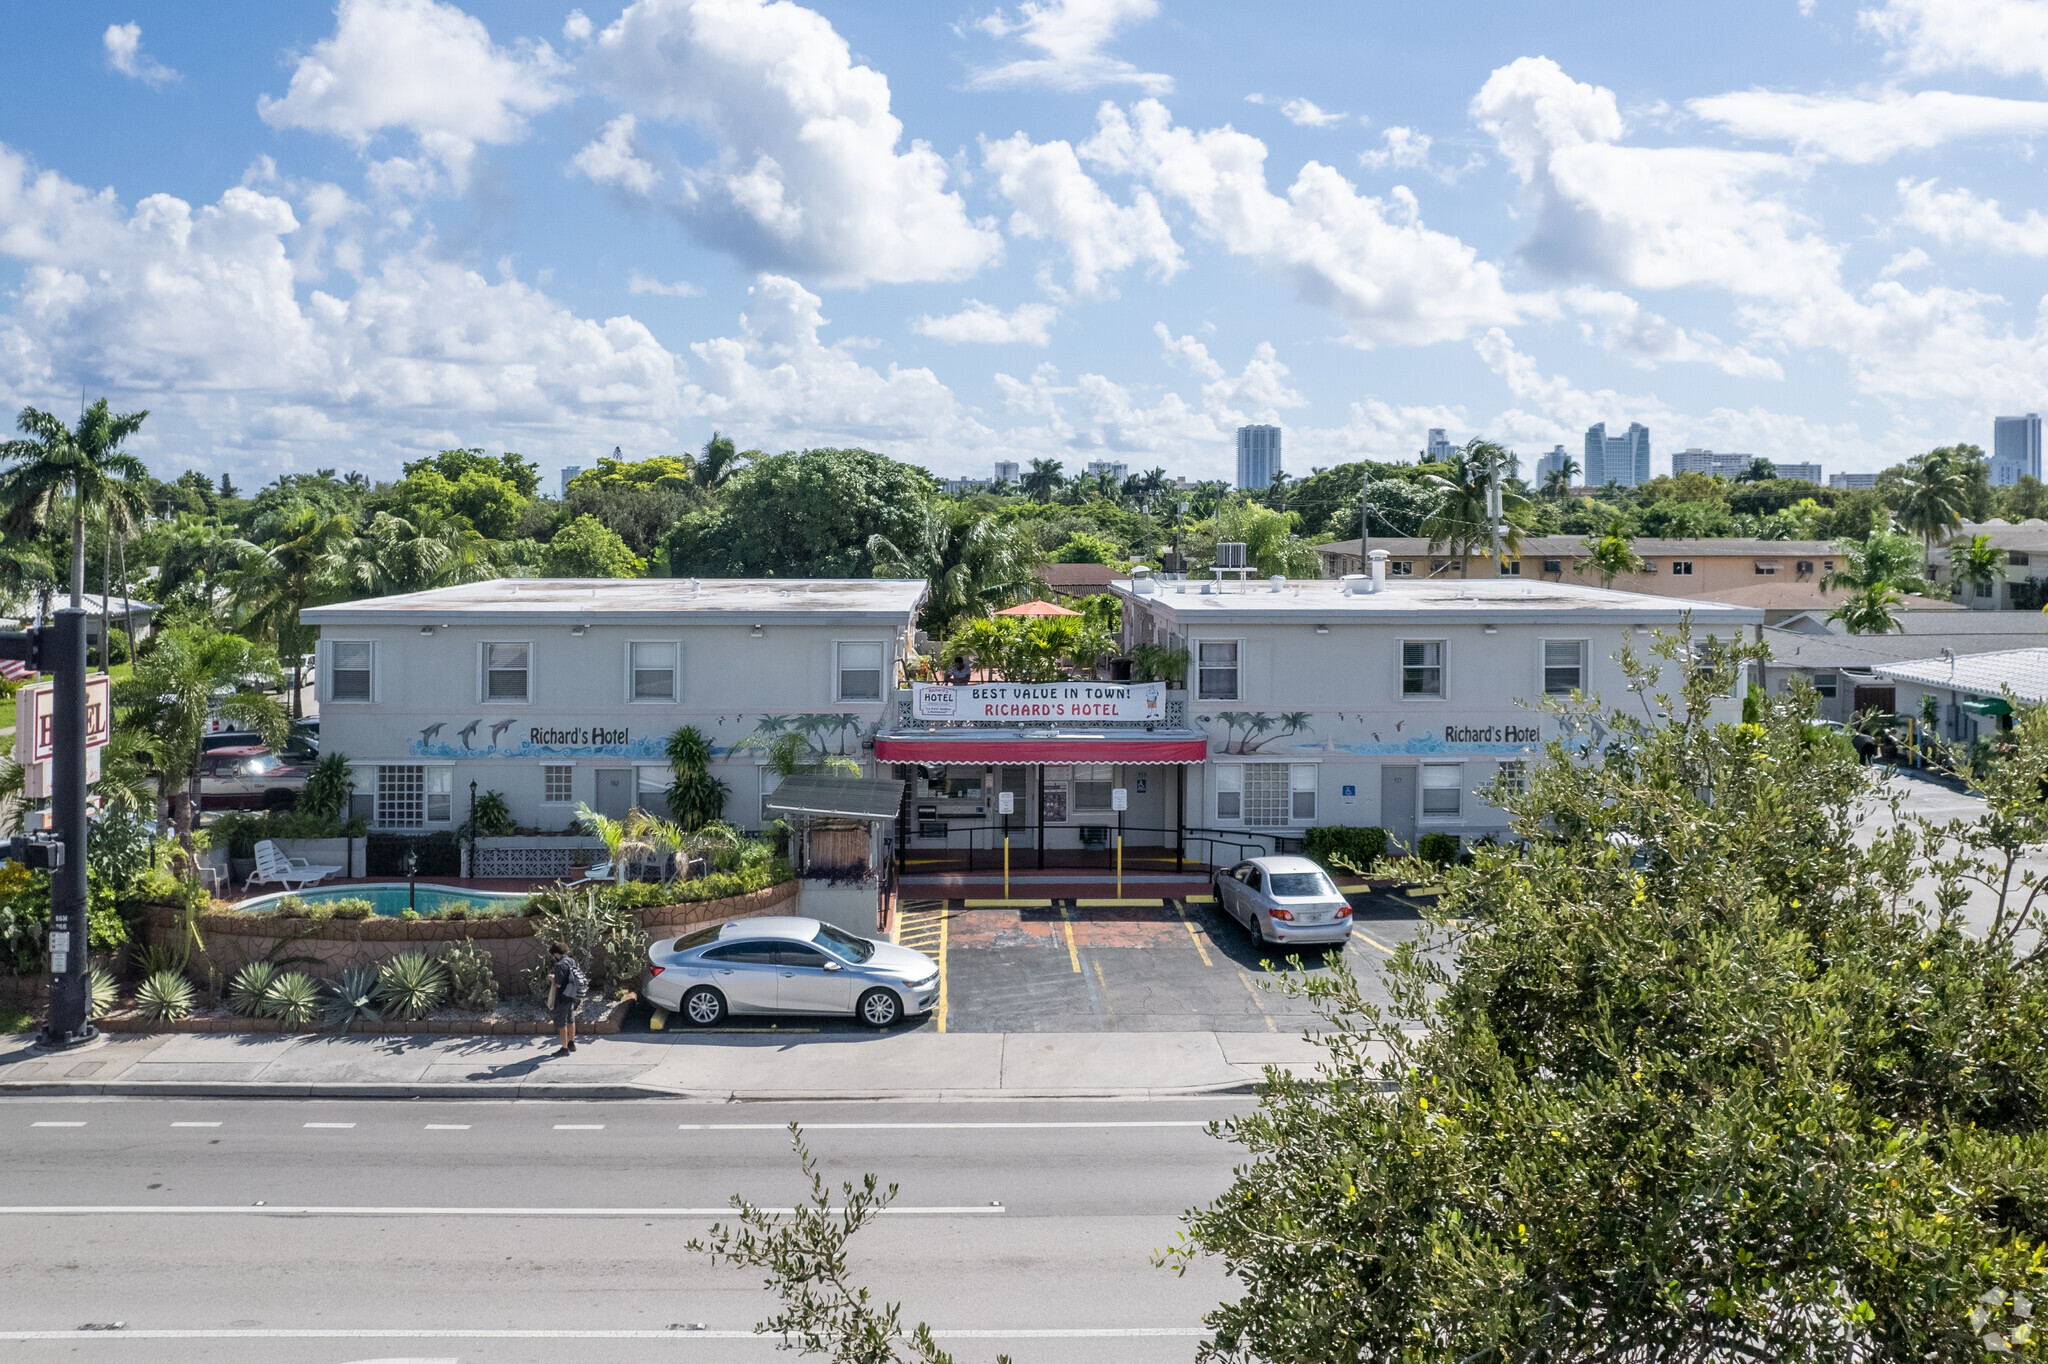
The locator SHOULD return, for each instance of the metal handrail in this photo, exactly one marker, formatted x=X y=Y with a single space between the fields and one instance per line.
x=1242 y=843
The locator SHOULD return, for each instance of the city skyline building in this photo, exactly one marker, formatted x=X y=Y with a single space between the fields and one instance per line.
x=1551 y=463
x=1258 y=456
x=1847 y=482
x=1623 y=459
x=1439 y=446
x=1114 y=468
x=1006 y=471
x=569 y=472
x=2015 y=449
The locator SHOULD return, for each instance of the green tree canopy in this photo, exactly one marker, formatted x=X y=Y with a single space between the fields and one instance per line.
x=808 y=515
x=522 y=474
x=587 y=548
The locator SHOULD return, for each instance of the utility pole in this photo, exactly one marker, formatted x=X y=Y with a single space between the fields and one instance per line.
x=1364 y=513
x=1494 y=529
x=59 y=649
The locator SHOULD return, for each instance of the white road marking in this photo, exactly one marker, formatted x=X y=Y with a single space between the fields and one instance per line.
x=459 y=1333
x=447 y=1127
x=350 y=1210
x=330 y=1124
x=579 y=1127
x=908 y=1127
x=56 y=1124
x=195 y=1124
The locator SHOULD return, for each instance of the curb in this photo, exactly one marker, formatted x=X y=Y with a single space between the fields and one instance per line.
x=221 y=1089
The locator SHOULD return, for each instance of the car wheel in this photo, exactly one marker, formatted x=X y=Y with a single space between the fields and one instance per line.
x=703 y=1006
x=879 y=1008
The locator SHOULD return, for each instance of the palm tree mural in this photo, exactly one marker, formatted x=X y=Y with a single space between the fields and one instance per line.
x=1255 y=723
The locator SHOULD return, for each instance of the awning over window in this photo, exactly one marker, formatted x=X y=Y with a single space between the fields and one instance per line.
x=1003 y=748
x=869 y=798
x=1988 y=705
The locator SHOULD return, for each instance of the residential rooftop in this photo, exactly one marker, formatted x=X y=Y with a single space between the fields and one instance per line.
x=1429 y=599
x=1556 y=546
x=1828 y=650
x=630 y=601
x=2024 y=672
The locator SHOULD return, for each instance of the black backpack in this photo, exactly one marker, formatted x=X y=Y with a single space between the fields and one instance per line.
x=579 y=984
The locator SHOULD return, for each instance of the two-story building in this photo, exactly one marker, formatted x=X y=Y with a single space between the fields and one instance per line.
x=555 y=692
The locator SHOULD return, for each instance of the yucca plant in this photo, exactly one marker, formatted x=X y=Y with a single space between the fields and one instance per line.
x=165 y=996
x=248 y=990
x=101 y=992
x=352 y=997
x=411 y=985
x=159 y=957
x=293 y=999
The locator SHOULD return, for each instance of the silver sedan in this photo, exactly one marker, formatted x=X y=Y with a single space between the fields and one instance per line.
x=1284 y=900
x=788 y=966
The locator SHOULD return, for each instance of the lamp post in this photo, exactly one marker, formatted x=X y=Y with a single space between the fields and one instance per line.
x=472 y=828
x=412 y=877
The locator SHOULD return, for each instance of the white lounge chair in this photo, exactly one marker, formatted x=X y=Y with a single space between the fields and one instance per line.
x=598 y=872
x=293 y=873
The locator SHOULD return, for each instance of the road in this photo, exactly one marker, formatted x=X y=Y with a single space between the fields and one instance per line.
x=348 y=1231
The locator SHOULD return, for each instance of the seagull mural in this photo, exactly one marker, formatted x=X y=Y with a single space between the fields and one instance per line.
x=468 y=732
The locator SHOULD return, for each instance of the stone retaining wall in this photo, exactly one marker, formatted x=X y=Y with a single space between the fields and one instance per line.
x=603 y=1021
x=232 y=940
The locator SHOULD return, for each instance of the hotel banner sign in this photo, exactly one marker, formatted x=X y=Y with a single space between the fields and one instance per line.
x=1026 y=703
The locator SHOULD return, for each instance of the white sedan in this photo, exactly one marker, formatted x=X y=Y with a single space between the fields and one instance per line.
x=1284 y=900
x=788 y=966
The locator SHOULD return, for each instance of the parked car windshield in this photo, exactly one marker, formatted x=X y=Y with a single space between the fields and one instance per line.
x=264 y=766
x=842 y=944
x=1302 y=883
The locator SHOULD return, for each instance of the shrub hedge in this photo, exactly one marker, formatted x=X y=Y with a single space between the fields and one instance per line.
x=1438 y=849
x=1357 y=846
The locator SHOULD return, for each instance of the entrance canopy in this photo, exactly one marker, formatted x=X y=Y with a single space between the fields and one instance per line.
x=1038 y=608
x=870 y=798
x=1016 y=748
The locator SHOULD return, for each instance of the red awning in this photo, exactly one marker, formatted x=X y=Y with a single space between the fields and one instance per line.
x=944 y=749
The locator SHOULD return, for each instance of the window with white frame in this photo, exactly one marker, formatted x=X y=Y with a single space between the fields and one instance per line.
x=1302 y=792
x=401 y=797
x=860 y=672
x=1216 y=670
x=1443 y=787
x=1422 y=668
x=440 y=794
x=650 y=788
x=651 y=671
x=1564 y=666
x=508 y=672
x=1824 y=684
x=1400 y=568
x=557 y=783
x=348 y=669
x=1229 y=791
x=1266 y=792
x=1092 y=786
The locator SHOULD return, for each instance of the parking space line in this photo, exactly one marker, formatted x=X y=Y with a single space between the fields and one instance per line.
x=579 y=1127
x=1189 y=924
x=328 y=1124
x=447 y=1127
x=1374 y=941
x=1257 y=1003
x=195 y=1124
x=1117 y=904
x=56 y=1124
x=1103 y=985
x=1073 y=953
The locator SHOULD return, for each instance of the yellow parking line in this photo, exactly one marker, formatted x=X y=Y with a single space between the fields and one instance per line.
x=1257 y=1003
x=1190 y=926
x=1198 y=899
x=1116 y=904
x=1073 y=953
x=1104 y=986
x=1374 y=941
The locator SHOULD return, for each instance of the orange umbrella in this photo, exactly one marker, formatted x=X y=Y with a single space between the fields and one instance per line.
x=1038 y=608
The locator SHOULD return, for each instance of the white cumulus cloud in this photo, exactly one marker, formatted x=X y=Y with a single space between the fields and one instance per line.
x=123 y=43
x=1302 y=113
x=1860 y=131
x=1053 y=197
x=1371 y=260
x=1641 y=337
x=1069 y=37
x=1400 y=149
x=1957 y=216
x=424 y=67
x=2005 y=37
x=809 y=172
x=609 y=159
x=637 y=283
x=1028 y=324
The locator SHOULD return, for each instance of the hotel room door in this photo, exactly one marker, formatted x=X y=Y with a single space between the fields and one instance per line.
x=614 y=791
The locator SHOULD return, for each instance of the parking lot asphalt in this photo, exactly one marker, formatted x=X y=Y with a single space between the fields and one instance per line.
x=1154 y=965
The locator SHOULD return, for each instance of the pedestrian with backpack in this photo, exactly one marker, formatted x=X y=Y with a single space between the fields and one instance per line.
x=567 y=985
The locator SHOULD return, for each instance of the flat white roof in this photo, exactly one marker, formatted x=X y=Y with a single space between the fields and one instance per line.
x=1434 y=600
x=632 y=601
x=2024 y=671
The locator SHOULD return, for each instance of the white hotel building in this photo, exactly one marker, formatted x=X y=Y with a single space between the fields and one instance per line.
x=1306 y=703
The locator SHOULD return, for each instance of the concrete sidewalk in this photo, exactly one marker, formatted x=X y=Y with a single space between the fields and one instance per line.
x=919 y=1065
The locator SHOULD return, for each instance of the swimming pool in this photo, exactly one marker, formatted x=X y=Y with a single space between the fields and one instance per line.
x=395 y=897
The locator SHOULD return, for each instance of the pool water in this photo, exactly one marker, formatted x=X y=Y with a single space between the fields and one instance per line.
x=395 y=897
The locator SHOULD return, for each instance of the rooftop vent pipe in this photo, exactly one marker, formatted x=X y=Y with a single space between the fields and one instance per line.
x=1379 y=570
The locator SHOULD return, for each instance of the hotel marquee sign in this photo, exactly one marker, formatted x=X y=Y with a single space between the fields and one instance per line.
x=1029 y=703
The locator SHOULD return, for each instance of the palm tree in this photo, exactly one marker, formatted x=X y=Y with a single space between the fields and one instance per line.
x=411 y=554
x=203 y=551
x=193 y=671
x=1557 y=484
x=974 y=563
x=1760 y=470
x=717 y=463
x=1461 y=520
x=1979 y=563
x=1871 y=611
x=26 y=572
x=1884 y=558
x=617 y=837
x=1043 y=481
x=695 y=797
x=89 y=462
x=300 y=568
x=1937 y=489
x=1613 y=554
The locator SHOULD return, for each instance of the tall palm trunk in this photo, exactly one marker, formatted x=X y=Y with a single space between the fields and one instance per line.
x=106 y=602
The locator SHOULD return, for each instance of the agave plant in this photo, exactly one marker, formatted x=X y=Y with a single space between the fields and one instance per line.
x=411 y=984
x=101 y=992
x=293 y=999
x=159 y=957
x=165 y=996
x=249 y=991
x=352 y=997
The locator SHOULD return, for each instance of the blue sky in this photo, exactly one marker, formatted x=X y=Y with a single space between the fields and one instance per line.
x=306 y=235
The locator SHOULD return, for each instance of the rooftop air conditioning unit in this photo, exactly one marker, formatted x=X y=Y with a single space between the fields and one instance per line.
x=1230 y=554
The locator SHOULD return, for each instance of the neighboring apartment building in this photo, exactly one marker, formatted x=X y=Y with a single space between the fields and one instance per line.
x=555 y=692
x=2015 y=449
x=1969 y=693
x=1258 y=455
x=1623 y=459
x=1808 y=472
x=1850 y=482
x=1006 y=471
x=1840 y=666
x=1694 y=460
x=2025 y=584
x=1114 y=469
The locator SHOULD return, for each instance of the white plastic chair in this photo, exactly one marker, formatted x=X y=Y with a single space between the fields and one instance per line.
x=293 y=873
